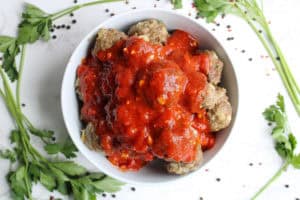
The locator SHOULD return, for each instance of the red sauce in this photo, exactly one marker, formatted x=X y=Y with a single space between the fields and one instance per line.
x=144 y=100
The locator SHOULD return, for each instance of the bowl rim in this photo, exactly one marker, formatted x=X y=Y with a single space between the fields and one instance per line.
x=67 y=124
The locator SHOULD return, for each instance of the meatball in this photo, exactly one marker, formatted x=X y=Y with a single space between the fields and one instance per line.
x=90 y=138
x=215 y=68
x=184 y=168
x=220 y=116
x=77 y=90
x=150 y=30
x=162 y=85
x=213 y=96
x=174 y=138
x=218 y=107
x=107 y=38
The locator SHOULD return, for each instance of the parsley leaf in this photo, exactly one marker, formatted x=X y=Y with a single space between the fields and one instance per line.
x=177 y=3
x=10 y=49
x=48 y=181
x=285 y=142
x=32 y=11
x=62 y=187
x=34 y=26
x=296 y=161
x=41 y=133
x=67 y=148
x=86 y=187
x=211 y=9
x=15 y=137
x=34 y=172
x=6 y=43
x=280 y=103
x=292 y=141
x=108 y=184
x=19 y=183
x=70 y=168
x=8 y=154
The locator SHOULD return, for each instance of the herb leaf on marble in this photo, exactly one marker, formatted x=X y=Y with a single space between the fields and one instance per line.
x=284 y=141
x=67 y=148
x=35 y=25
x=10 y=49
x=8 y=154
x=177 y=3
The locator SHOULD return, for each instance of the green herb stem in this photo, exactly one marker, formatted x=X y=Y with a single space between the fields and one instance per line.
x=271 y=180
x=29 y=151
x=9 y=100
x=282 y=69
x=27 y=183
x=11 y=105
x=77 y=7
x=282 y=59
x=2 y=93
x=23 y=49
x=285 y=69
x=28 y=122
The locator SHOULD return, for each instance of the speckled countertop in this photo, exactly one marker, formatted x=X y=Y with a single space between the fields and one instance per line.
x=247 y=160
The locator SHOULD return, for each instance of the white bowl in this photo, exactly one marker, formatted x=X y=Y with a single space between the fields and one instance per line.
x=153 y=172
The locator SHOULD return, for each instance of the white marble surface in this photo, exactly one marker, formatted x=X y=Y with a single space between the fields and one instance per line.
x=250 y=141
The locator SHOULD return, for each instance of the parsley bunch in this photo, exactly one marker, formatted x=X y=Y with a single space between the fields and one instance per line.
x=285 y=141
x=252 y=13
x=30 y=166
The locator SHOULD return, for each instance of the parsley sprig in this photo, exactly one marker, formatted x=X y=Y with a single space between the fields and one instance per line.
x=252 y=13
x=285 y=141
x=30 y=166
x=35 y=25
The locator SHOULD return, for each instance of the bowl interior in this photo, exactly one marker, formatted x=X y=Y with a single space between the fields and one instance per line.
x=152 y=173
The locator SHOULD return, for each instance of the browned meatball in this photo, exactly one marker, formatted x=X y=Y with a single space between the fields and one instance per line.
x=215 y=68
x=213 y=96
x=220 y=116
x=184 y=168
x=90 y=138
x=107 y=38
x=77 y=90
x=218 y=107
x=150 y=30
x=163 y=85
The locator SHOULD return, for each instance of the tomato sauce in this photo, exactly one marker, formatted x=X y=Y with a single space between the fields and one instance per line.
x=145 y=100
